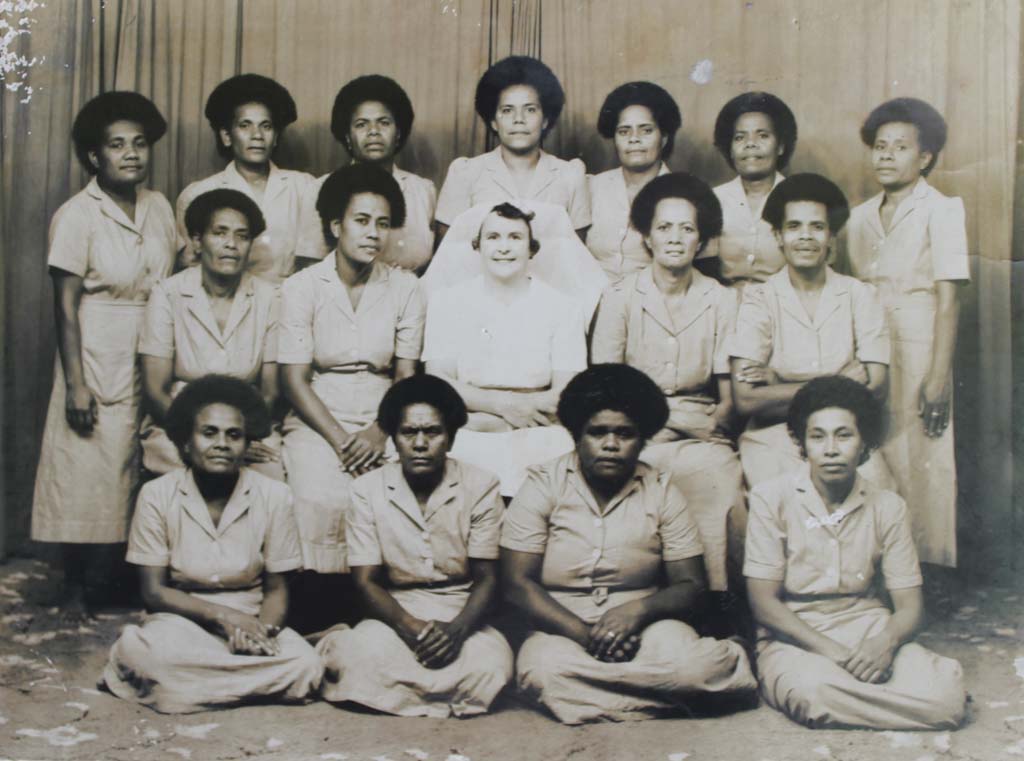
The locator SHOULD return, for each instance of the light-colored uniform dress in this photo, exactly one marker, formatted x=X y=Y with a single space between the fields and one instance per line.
x=272 y=256
x=426 y=555
x=409 y=247
x=517 y=347
x=926 y=242
x=595 y=560
x=170 y=662
x=634 y=326
x=85 y=484
x=747 y=247
x=828 y=566
x=180 y=326
x=614 y=242
x=351 y=352
x=773 y=329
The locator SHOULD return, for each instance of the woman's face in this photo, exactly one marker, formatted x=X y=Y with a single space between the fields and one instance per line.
x=638 y=140
x=422 y=441
x=674 y=239
x=505 y=247
x=805 y=237
x=833 y=446
x=218 y=440
x=372 y=133
x=122 y=157
x=252 y=136
x=224 y=245
x=897 y=156
x=609 y=446
x=363 y=232
x=519 y=119
x=755 y=146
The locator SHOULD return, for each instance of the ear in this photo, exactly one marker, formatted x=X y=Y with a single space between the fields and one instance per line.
x=94 y=159
x=476 y=242
x=225 y=137
x=336 y=228
x=664 y=142
x=925 y=160
x=778 y=237
x=196 y=239
x=647 y=245
x=781 y=149
x=544 y=126
x=494 y=125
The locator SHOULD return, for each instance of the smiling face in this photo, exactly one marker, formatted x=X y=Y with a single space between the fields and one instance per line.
x=363 y=232
x=505 y=247
x=519 y=119
x=372 y=133
x=252 y=136
x=897 y=156
x=755 y=147
x=805 y=237
x=224 y=245
x=638 y=140
x=833 y=446
x=122 y=158
x=422 y=442
x=609 y=447
x=674 y=238
x=218 y=442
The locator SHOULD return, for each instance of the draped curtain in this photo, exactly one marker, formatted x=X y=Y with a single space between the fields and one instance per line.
x=831 y=61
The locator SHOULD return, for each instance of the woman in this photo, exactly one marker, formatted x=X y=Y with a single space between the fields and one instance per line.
x=350 y=326
x=830 y=652
x=911 y=242
x=372 y=117
x=214 y=318
x=109 y=245
x=508 y=343
x=756 y=134
x=803 y=322
x=642 y=119
x=214 y=541
x=585 y=544
x=422 y=539
x=672 y=322
x=248 y=114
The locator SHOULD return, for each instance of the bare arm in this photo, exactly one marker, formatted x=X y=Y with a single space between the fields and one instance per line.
x=520 y=409
x=295 y=385
x=871 y=660
x=520 y=577
x=440 y=230
x=368 y=579
x=758 y=392
x=936 y=390
x=769 y=609
x=274 y=608
x=80 y=404
x=157 y=379
x=268 y=383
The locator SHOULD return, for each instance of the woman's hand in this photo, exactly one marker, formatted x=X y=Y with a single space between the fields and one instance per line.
x=871 y=660
x=855 y=370
x=835 y=652
x=524 y=410
x=257 y=451
x=616 y=635
x=362 y=451
x=247 y=635
x=80 y=409
x=757 y=375
x=696 y=420
x=439 y=644
x=933 y=404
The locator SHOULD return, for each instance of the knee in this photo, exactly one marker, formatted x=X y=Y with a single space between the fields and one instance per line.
x=542 y=658
x=944 y=691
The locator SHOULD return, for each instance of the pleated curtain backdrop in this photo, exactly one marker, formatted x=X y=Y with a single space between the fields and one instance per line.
x=831 y=61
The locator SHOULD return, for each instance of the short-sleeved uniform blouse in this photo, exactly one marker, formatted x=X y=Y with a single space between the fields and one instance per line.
x=485 y=179
x=180 y=325
x=614 y=242
x=513 y=346
x=634 y=326
x=747 y=247
x=386 y=526
x=773 y=328
x=172 y=528
x=272 y=256
x=319 y=327
x=621 y=547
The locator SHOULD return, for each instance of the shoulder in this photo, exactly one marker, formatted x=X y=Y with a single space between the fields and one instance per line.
x=772 y=495
x=414 y=181
x=889 y=506
x=466 y=167
x=303 y=281
x=76 y=210
x=547 y=477
x=475 y=480
x=157 y=200
x=160 y=492
x=940 y=204
x=457 y=296
x=400 y=280
x=193 y=189
x=373 y=482
x=574 y=170
x=554 y=301
x=272 y=492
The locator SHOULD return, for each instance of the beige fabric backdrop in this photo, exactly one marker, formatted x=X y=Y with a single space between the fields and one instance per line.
x=831 y=61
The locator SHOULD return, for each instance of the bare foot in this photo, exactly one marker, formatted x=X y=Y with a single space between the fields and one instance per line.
x=74 y=610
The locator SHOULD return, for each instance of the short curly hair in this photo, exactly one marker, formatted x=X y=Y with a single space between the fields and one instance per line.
x=203 y=206
x=372 y=87
x=842 y=392
x=507 y=210
x=87 y=132
x=656 y=99
x=421 y=389
x=762 y=103
x=519 y=70
x=248 y=88
x=678 y=185
x=616 y=387
x=216 y=389
x=807 y=187
x=342 y=184
x=931 y=127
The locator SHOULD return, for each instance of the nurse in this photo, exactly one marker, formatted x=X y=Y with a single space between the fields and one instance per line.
x=109 y=245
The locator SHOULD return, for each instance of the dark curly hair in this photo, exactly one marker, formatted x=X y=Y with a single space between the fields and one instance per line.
x=203 y=206
x=616 y=387
x=422 y=389
x=756 y=102
x=377 y=88
x=107 y=108
x=678 y=185
x=507 y=210
x=520 y=70
x=216 y=389
x=248 y=88
x=837 y=391
x=656 y=99
x=342 y=184
x=931 y=127
x=807 y=187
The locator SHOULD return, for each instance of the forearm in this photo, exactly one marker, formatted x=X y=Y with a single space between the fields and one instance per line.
x=480 y=598
x=477 y=399
x=787 y=625
x=769 y=403
x=308 y=406
x=209 y=615
x=905 y=620
x=548 y=613
x=274 y=608
x=69 y=334
x=671 y=602
x=382 y=606
x=947 y=317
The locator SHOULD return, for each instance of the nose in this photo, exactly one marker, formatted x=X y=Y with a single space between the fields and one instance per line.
x=610 y=443
x=519 y=116
x=374 y=129
x=634 y=137
x=831 y=446
x=420 y=442
x=230 y=242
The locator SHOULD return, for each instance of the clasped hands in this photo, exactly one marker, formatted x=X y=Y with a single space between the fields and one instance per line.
x=435 y=644
x=870 y=661
x=247 y=635
x=362 y=451
x=525 y=409
x=757 y=374
x=615 y=637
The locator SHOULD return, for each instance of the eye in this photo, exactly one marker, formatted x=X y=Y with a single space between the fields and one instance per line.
x=384 y=122
x=384 y=223
x=235 y=434
x=622 y=131
x=738 y=137
x=243 y=236
x=359 y=124
x=648 y=130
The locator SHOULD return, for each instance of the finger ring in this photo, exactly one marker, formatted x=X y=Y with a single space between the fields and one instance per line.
x=610 y=635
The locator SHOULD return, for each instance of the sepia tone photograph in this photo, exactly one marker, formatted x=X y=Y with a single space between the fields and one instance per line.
x=527 y=380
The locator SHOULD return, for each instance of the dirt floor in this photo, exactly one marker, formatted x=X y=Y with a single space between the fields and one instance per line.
x=50 y=709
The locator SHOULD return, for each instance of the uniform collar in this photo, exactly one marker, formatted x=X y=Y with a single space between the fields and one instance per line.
x=199 y=302
x=373 y=291
x=195 y=506
x=277 y=181
x=812 y=503
x=401 y=495
x=829 y=301
x=110 y=209
x=920 y=192
x=545 y=173
x=697 y=300
x=574 y=473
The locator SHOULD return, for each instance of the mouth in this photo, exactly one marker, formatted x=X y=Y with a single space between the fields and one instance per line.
x=834 y=467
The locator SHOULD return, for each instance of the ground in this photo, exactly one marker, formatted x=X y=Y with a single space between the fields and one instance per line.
x=50 y=709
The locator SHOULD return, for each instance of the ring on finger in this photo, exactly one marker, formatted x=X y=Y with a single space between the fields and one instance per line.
x=610 y=635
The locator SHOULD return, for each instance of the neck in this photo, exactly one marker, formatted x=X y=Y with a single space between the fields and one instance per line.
x=253 y=172
x=526 y=160
x=352 y=272
x=638 y=177
x=672 y=281
x=388 y=165
x=807 y=279
x=758 y=186
x=214 y=486
x=126 y=193
x=605 y=489
x=894 y=196
x=220 y=286
x=832 y=493
x=506 y=290
x=424 y=485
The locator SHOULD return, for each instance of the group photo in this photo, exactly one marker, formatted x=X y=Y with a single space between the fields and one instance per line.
x=625 y=380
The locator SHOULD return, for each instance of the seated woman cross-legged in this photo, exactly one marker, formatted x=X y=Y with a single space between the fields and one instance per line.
x=422 y=547
x=585 y=544
x=830 y=653
x=214 y=541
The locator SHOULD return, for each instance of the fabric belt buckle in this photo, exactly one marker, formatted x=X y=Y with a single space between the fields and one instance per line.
x=600 y=595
